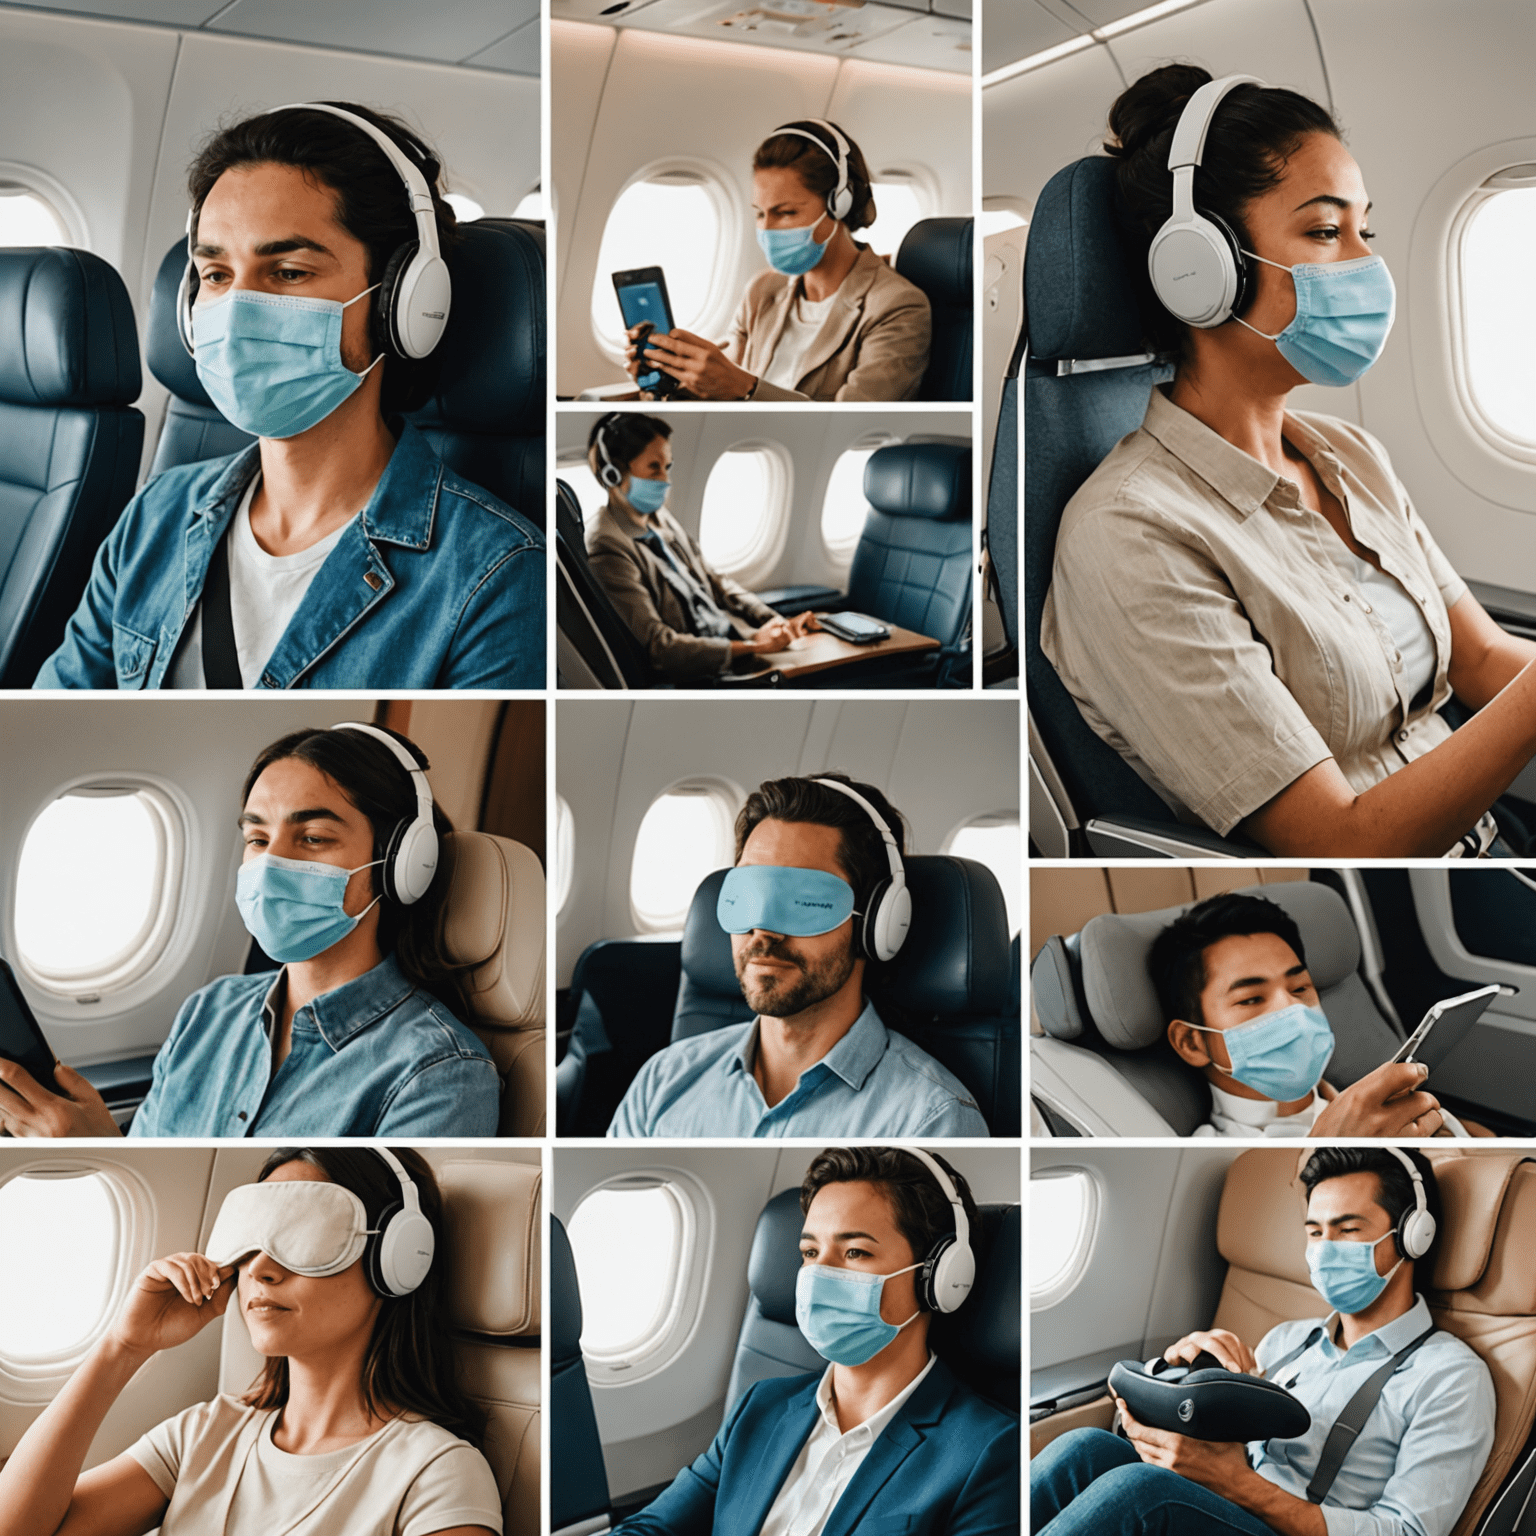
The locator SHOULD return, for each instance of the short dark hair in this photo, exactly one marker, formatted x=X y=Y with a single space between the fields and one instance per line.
x=411 y=1364
x=626 y=435
x=817 y=168
x=1177 y=961
x=920 y=1209
x=1395 y=1193
x=372 y=204
x=1254 y=132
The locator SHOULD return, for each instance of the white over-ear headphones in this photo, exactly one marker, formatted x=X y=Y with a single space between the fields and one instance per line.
x=1416 y=1228
x=840 y=198
x=888 y=910
x=410 y=857
x=608 y=473
x=399 y=1252
x=1196 y=263
x=949 y=1271
x=415 y=291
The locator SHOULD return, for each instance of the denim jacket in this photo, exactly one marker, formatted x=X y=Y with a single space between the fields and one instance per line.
x=437 y=585
x=374 y=1057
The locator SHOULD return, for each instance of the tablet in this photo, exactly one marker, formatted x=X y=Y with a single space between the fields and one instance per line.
x=642 y=296
x=20 y=1038
x=855 y=627
x=1445 y=1026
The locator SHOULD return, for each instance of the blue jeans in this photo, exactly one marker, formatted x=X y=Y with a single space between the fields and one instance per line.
x=1089 y=1482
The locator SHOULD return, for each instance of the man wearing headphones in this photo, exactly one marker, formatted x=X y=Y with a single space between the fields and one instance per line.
x=1373 y=1218
x=314 y=301
x=816 y=906
x=886 y=1438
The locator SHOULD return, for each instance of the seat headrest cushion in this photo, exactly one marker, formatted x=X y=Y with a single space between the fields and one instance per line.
x=492 y=1212
x=987 y=1331
x=564 y=1298
x=936 y=255
x=494 y=920
x=775 y=1258
x=1080 y=280
x=1115 y=948
x=168 y=359
x=706 y=947
x=67 y=335
x=930 y=480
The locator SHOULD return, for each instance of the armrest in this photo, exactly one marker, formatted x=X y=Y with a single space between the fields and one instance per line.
x=792 y=600
x=1129 y=837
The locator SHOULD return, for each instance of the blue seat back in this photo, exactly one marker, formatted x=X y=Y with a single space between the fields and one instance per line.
x=936 y=256
x=70 y=439
x=588 y=620
x=578 y=1476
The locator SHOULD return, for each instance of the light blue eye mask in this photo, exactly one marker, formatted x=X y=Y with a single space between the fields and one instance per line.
x=780 y=898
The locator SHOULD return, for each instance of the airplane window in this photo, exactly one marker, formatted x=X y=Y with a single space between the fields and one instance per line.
x=626 y=1243
x=678 y=220
x=686 y=835
x=69 y=1229
x=1063 y=1217
x=27 y=219
x=745 y=517
x=532 y=206
x=97 y=885
x=465 y=209
x=589 y=494
x=843 y=508
x=993 y=840
x=565 y=852
x=899 y=204
x=1498 y=251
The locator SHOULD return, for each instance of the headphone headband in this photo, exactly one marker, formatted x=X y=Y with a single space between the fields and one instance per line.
x=1188 y=147
x=892 y=851
x=424 y=802
x=840 y=199
x=888 y=907
x=408 y=1194
x=609 y=474
x=410 y=859
x=947 y=1184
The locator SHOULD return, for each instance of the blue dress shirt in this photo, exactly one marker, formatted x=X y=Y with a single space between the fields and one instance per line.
x=374 y=1057
x=871 y=1083
x=1414 y=1465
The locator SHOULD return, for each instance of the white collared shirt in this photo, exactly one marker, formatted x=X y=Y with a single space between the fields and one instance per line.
x=827 y=1462
x=1234 y=1116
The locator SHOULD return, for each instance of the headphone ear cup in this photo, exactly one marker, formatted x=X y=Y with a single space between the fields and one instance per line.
x=400 y=1253
x=840 y=204
x=1415 y=1233
x=1193 y=271
x=869 y=927
x=412 y=861
x=385 y=338
x=373 y=1250
x=948 y=1275
x=1240 y=265
x=186 y=292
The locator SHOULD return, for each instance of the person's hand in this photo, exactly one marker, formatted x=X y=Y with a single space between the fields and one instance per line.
x=772 y=636
x=699 y=366
x=1386 y=1102
x=1215 y=1464
x=802 y=624
x=29 y=1109
x=632 y=364
x=172 y=1301
x=1225 y=1345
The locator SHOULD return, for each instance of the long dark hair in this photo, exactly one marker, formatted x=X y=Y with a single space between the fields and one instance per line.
x=817 y=168
x=376 y=783
x=411 y=1365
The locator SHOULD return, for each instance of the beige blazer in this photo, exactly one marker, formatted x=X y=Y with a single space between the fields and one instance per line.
x=638 y=587
x=873 y=345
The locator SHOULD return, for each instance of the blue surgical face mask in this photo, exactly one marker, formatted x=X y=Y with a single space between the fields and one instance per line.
x=838 y=1311
x=271 y=362
x=647 y=496
x=779 y=898
x=1281 y=1055
x=794 y=251
x=1344 y=1274
x=1344 y=311
x=293 y=907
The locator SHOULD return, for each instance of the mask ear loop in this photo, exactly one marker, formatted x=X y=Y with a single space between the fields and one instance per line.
x=379 y=358
x=1279 y=266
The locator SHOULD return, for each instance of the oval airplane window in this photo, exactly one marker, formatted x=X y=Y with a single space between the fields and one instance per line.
x=1498 y=254
x=577 y=474
x=678 y=218
x=901 y=199
x=465 y=209
x=26 y=218
x=565 y=853
x=1063 y=1218
x=685 y=835
x=745 y=517
x=993 y=840
x=843 y=508
x=532 y=206
x=97 y=887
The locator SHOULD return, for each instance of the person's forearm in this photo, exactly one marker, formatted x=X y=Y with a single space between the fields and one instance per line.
x=1281 y=1511
x=38 y=1482
x=1495 y=667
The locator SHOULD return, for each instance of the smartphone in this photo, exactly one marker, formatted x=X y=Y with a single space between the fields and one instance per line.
x=642 y=295
x=1445 y=1026
x=856 y=627
x=21 y=1040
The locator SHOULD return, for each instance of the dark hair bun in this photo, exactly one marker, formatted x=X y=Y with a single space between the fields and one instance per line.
x=1151 y=107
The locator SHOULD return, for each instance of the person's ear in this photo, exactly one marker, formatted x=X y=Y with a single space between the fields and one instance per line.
x=1189 y=1042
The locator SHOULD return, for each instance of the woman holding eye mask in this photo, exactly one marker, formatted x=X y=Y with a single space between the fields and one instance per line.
x=830 y=320
x=357 y=1424
x=1245 y=603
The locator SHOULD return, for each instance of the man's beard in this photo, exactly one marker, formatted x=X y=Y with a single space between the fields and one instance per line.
x=780 y=997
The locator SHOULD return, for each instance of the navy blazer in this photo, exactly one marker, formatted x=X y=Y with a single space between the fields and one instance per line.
x=946 y=1465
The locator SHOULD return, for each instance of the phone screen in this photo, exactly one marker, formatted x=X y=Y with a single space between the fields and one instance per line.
x=639 y=302
x=20 y=1040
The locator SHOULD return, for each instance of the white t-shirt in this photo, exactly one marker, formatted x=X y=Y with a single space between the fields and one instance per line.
x=800 y=330
x=1249 y=1118
x=264 y=594
x=217 y=1465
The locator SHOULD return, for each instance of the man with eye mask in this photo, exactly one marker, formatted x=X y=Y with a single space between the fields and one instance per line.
x=817 y=1060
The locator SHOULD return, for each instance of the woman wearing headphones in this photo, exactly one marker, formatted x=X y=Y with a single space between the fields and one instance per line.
x=886 y=1438
x=1245 y=603
x=831 y=320
x=357 y=1424
x=359 y=1032
x=692 y=621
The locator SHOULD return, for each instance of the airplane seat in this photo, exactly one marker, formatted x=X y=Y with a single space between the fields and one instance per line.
x=1484 y=1290
x=1000 y=536
x=1087 y=377
x=936 y=255
x=578 y=1475
x=1099 y=1013
x=950 y=981
x=981 y=1342
x=494 y=921
x=70 y=439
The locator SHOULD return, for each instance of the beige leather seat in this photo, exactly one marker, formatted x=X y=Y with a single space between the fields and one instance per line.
x=495 y=923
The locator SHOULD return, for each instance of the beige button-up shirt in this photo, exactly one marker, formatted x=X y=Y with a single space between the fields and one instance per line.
x=1201 y=620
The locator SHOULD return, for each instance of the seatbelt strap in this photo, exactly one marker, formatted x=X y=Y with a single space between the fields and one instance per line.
x=221 y=662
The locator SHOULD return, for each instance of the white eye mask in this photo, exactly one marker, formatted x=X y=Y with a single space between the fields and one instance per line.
x=309 y=1227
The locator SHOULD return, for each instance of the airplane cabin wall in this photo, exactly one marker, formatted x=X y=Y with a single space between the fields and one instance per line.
x=624 y=99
